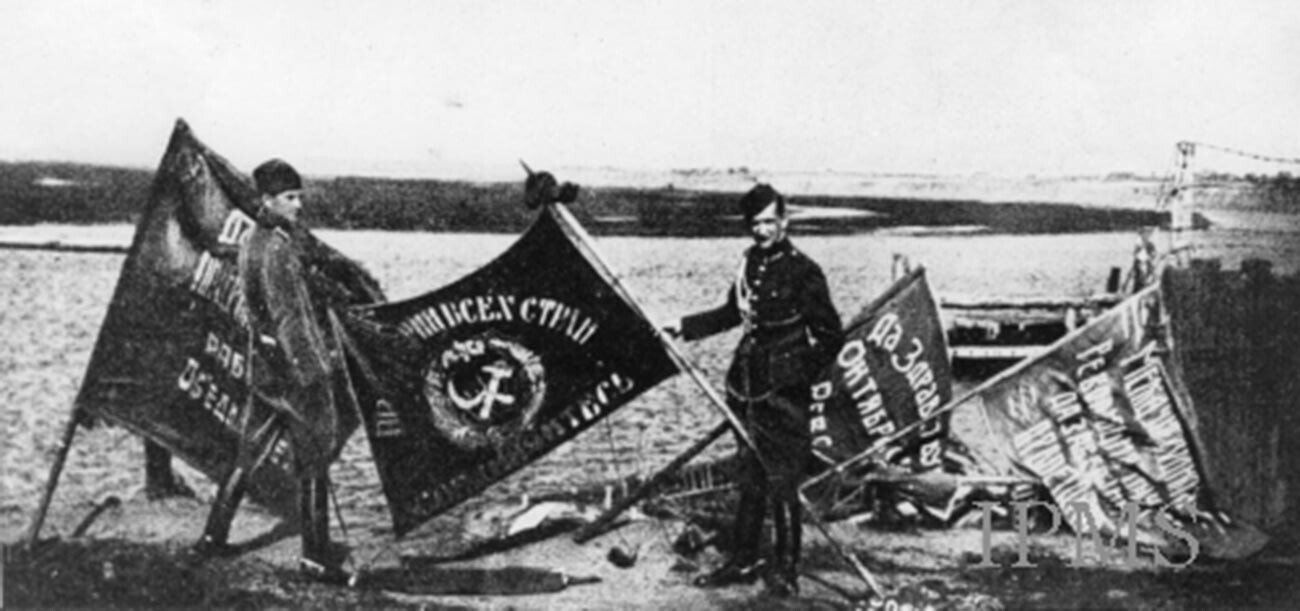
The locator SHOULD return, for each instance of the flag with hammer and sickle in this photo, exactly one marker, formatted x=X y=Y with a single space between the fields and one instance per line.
x=465 y=385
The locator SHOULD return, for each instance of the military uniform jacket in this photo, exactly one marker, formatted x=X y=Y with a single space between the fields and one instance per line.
x=791 y=328
x=292 y=369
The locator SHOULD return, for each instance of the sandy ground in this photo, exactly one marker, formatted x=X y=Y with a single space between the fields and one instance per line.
x=139 y=555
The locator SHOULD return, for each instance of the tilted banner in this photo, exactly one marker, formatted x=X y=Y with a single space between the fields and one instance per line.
x=1096 y=419
x=171 y=361
x=892 y=371
x=464 y=385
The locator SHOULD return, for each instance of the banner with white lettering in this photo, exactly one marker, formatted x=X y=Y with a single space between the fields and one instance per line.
x=1096 y=418
x=171 y=361
x=464 y=385
x=892 y=371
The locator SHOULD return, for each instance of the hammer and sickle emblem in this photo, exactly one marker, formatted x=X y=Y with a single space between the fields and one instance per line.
x=491 y=394
x=486 y=388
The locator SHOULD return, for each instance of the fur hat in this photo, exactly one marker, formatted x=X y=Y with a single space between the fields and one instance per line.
x=760 y=197
x=275 y=177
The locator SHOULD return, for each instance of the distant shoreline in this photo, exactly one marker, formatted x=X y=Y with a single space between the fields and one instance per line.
x=694 y=203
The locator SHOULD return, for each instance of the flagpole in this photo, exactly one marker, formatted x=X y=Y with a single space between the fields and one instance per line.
x=38 y=520
x=884 y=442
x=648 y=487
x=848 y=556
x=584 y=240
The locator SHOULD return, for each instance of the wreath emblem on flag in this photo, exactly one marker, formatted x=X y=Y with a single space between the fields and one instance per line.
x=484 y=389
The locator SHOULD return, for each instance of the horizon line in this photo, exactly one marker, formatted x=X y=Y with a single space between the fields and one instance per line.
x=736 y=171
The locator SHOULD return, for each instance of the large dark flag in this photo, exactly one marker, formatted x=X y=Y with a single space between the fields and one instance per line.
x=464 y=385
x=1097 y=418
x=886 y=386
x=892 y=372
x=171 y=361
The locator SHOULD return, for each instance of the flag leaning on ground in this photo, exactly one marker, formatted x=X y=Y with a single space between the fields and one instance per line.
x=464 y=385
x=892 y=372
x=1098 y=419
x=171 y=362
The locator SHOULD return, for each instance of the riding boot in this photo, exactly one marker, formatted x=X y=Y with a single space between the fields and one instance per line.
x=796 y=541
x=160 y=481
x=781 y=524
x=783 y=579
x=744 y=565
x=747 y=533
x=321 y=560
x=216 y=533
x=315 y=519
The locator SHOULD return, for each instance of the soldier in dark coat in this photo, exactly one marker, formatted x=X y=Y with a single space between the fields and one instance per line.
x=791 y=331
x=291 y=368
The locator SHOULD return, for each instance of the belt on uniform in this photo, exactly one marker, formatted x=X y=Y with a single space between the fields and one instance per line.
x=768 y=325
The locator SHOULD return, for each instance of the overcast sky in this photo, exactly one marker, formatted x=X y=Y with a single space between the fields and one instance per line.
x=450 y=89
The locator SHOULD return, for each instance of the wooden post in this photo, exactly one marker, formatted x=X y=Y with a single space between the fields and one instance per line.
x=601 y=524
x=1180 y=206
x=38 y=520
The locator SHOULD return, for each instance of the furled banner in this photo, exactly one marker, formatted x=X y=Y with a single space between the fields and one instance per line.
x=1097 y=419
x=171 y=361
x=892 y=371
x=464 y=385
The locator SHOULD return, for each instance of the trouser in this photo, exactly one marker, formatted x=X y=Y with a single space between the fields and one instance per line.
x=778 y=428
x=157 y=466
x=313 y=495
x=252 y=453
x=313 y=512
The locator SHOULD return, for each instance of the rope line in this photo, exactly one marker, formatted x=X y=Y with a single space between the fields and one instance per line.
x=1246 y=154
x=1177 y=180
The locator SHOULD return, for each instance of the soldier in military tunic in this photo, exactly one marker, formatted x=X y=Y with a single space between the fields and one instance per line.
x=791 y=331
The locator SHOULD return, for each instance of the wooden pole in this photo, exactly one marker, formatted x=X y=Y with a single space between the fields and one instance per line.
x=104 y=505
x=849 y=557
x=883 y=442
x=115 y=249
x=601 y=524
x=960 y=302
x=583 y=241
x=38 y=520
